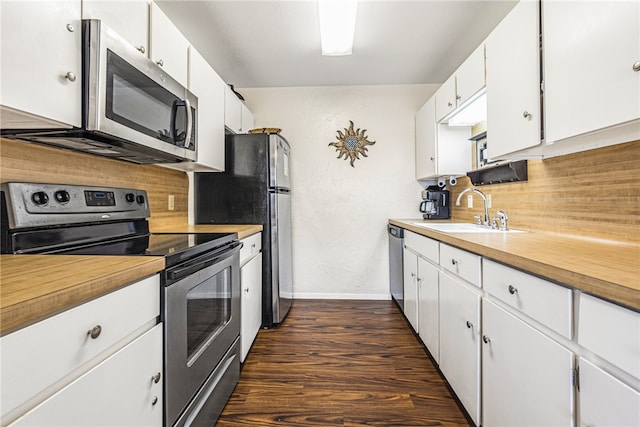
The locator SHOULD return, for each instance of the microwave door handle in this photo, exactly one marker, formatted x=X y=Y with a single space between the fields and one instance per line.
x=187 y=138
x=174 y=114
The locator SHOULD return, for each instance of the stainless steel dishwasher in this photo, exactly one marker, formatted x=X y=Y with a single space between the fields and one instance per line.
x=396 y=246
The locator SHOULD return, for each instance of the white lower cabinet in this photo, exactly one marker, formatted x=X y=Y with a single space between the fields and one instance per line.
x=120 y=391
x=526 y=376
x=410 y=278
x=251 y=285
x=428 y=307
x=460 y=341
x=604 y=400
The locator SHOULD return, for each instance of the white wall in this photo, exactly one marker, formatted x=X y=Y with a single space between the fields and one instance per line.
x=340 y=245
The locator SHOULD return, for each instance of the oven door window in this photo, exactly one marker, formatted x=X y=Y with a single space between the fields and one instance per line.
x=208 y=312
x=137 y=102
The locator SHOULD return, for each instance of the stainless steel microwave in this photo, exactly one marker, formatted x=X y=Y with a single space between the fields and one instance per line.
x=131 y=108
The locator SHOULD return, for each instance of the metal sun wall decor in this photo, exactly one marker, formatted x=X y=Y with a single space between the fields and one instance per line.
x=351 y=143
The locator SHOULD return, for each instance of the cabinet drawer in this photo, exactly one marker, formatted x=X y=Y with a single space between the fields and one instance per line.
x=118 y=392
x=426 y=247
x=610 y=331
x=40 y=356
x=251 y=246
x=462 y=263
x=546 y=302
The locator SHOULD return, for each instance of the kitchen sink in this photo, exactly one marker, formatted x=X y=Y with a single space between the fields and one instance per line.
x=463 y=227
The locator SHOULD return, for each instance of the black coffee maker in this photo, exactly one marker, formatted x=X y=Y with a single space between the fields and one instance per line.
x=435 y=203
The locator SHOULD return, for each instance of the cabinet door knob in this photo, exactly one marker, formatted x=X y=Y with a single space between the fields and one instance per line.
x=141 y=49
x=449 y=104
x=513 y=290
x=526 y=115
x=246 y=290
x=413 y=274
x=154 y=400
x=70 y=76
x=453 y=261
x=160 y=62
x=95 y=332
x=156 y=378
x=469 y=325
x=636 y=66
x=486 y=339
x=458 y=97
x=70 y=28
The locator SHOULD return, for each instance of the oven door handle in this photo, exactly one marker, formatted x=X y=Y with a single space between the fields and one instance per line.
x=209 y=259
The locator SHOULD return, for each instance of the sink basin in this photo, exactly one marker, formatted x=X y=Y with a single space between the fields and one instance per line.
x=462 y=227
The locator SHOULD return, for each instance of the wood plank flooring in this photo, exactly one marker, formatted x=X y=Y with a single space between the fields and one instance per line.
x=340 y=363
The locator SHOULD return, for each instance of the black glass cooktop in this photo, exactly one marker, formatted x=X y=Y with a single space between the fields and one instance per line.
x=175 y=247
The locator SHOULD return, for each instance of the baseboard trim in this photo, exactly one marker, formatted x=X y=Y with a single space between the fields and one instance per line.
x=309 y=295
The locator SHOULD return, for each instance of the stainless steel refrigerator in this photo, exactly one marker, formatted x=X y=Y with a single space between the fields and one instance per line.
x=255 y=189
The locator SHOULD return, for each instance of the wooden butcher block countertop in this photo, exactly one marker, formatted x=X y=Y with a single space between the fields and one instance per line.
x=243 y=230
x=34 y=287
x=603 y=268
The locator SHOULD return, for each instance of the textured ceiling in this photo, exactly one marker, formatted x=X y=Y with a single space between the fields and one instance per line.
x=277 y=43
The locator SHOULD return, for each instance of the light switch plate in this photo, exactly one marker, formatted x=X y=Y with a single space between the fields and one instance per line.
x=469 y=201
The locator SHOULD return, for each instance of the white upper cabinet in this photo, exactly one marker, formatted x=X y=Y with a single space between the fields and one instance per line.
x=207 y=85
x=590 y=83
x=467 y=80
x=470 y=77
x=232 y=111
x=168 y=46
x=130 y=19
x=446 y=98
x=441 y=150
x=246 y=118
x=41 y=78
x=513 y=82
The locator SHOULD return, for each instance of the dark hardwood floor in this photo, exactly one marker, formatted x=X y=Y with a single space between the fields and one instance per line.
x=340 y=363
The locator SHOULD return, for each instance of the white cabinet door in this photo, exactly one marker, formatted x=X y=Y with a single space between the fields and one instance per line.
x=41 y=64
x=232 y=111
x=128 y=18
x=168 y=46
x=513 y=82
x=428 y=306
x=590 y=48
x=446 y=98
x=119 y=391
x=526 y=376
x=460 y=341
x=605 y=400
x=426 y=140
x=470 y=77
x=246 y=119
x=209 y=87
x=410 y=275
x=251 y=311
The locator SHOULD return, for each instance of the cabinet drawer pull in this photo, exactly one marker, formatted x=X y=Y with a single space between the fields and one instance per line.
x=513 y=290
x=70 y=76
x=486 y=339
x=156 y=378
x=141 y=49
x=469 y=325
x=453 y=262
x=636 y=66
x=449 y=104
x=95 y=332
x=527 y=115
x=154 y=400
x=160 y=62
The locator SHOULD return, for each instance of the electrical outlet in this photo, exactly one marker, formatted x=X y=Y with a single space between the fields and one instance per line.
x=469 y=201
x=488 y=201
x=172 y=202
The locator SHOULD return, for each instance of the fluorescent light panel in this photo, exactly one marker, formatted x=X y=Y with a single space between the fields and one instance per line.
x=337 y=26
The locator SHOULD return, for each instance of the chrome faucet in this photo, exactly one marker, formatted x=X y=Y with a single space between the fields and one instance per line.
x=484 y=200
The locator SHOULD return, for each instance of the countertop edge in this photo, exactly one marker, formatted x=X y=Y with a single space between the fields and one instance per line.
x=609 y=290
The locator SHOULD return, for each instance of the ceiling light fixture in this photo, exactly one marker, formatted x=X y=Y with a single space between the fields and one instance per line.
x=337 y=26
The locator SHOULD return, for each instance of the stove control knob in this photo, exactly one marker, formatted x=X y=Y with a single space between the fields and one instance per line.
x=130 y=197
x=40 y=198
x=140 y=199
x=62 y=196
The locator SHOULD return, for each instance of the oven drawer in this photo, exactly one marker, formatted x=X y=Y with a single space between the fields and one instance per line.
x=42 y=358
x=252 y=245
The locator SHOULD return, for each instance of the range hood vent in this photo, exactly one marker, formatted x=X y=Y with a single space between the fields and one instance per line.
x=498 y=174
